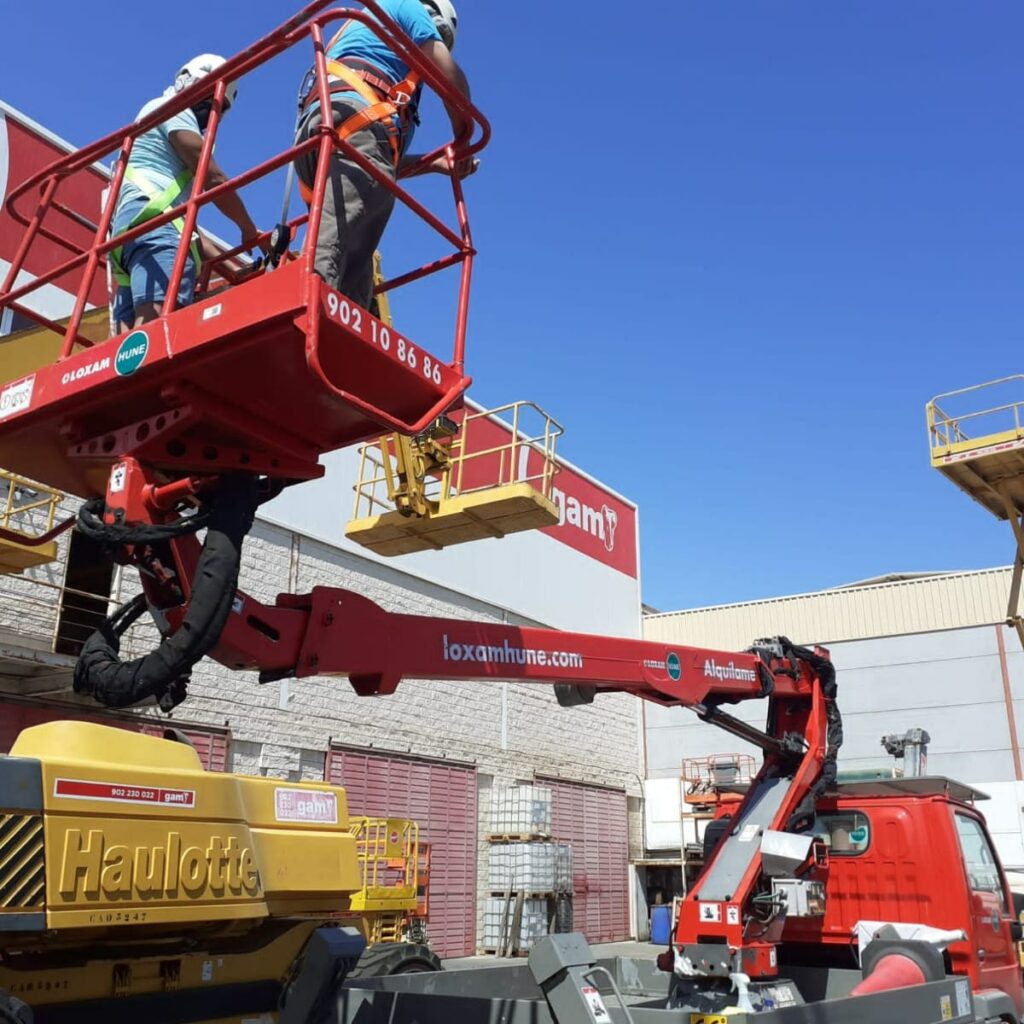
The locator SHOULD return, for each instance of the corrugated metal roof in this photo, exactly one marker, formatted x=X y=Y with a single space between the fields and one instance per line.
x=916 y=605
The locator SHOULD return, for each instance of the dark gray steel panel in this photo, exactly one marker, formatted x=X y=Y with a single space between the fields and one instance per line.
x=21 y=784
x=22 y=922
x=733 y=859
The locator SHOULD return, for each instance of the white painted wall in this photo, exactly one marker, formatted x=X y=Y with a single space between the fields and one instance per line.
x=662 y=807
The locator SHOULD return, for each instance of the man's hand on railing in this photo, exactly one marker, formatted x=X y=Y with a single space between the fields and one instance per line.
x=251 y=239
x=463 y=168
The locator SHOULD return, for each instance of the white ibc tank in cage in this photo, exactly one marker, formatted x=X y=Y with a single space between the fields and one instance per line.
x=521 y=810
x=533 y=925
x=529 y=867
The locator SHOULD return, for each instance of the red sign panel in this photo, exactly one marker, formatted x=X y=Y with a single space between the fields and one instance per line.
x=118 y=792
x=24 y=150
x=591 y=519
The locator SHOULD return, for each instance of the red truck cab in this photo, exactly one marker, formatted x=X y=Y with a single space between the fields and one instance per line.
x=916 y=851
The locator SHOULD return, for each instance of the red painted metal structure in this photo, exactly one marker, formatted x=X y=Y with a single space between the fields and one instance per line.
x=595 y=822
x=265 y=376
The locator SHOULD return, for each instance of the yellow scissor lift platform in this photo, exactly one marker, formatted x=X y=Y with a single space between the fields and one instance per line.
x=29 y=509
x=977 y=441
x=389 y=852
x=488 y=474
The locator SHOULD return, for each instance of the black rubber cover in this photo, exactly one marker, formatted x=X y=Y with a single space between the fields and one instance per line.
x=163 y=674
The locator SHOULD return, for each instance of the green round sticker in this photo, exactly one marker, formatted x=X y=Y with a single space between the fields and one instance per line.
x=131 y=353
x=674 y=666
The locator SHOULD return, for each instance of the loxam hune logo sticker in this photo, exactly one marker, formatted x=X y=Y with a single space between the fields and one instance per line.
x=131 y=353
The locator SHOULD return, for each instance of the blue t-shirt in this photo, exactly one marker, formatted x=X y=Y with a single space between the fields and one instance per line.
x=359 y=43
x=154 y=159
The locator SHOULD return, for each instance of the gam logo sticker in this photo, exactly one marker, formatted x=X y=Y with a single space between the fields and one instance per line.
x=131 y=353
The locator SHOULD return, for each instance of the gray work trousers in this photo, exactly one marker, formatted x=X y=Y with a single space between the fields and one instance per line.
x=356 y=208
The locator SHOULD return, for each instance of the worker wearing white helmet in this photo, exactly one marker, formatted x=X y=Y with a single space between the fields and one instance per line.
x=363 y=72
x=159 y=176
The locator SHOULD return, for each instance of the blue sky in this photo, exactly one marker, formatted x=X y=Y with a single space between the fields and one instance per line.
x=734 y=246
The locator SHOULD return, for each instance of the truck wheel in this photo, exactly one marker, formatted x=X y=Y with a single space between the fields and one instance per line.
x=395 y=958
x=14 y=1011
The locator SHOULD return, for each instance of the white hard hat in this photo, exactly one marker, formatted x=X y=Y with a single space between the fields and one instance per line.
x=445 y=18
x=200 y=66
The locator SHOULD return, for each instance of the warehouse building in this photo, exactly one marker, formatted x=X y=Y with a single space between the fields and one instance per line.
x=928 y=651
x=431 y=752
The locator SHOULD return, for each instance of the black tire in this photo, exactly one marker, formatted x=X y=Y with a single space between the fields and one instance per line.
x=389 y=958
x=14 y=1011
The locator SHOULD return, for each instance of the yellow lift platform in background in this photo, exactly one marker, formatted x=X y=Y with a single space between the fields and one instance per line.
x=977 y=441
x=487 y=476
x=30 y=509
x=394 y=869
x=26 y=507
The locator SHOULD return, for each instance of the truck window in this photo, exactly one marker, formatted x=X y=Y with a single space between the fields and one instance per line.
x=979 y=858
x=845 y=833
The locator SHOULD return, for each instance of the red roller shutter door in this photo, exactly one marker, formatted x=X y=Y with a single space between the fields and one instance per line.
x=441 y=798
x=594 y=820
x=211 y=746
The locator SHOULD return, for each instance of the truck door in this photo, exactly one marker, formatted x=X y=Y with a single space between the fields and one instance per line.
x=989 y=929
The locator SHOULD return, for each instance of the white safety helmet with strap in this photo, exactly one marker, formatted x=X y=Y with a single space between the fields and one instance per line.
x=199 y=67
x=445 y=18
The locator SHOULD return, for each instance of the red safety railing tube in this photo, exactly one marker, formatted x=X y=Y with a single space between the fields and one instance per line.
x=316 y=204
x=31 y=314
x=462 y=314
x=93 y=259
x=26 y=240
x=415 y=275
x=14 y=537
x=192 y=206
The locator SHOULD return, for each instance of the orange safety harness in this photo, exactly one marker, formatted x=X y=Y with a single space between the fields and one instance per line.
x=387 y=104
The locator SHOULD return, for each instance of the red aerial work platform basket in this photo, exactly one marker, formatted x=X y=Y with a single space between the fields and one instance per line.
x=262 y=376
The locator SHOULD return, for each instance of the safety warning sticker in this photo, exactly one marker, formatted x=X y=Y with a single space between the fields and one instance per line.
x=17 y=396
x=117 y=792
x=710 y=912
x=963 y=999
x=708 y=1018
x=946 y=1008
x=306 y=806
x=595 y=1004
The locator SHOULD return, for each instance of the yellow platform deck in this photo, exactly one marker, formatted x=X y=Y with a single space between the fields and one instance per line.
x=18 y=557
x=976 y=437
x=495 y=512
x=990 y=469
x=977 y=440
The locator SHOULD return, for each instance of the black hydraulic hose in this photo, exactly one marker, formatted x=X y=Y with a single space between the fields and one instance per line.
x=163 y=674
x=90 y=523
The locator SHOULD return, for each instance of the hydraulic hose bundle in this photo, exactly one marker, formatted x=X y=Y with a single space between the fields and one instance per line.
x=163 y=674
